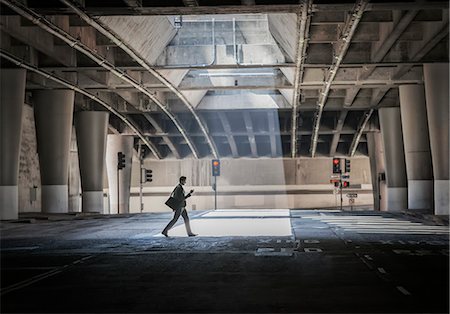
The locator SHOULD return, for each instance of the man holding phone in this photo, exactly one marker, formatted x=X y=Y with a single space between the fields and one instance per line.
x=178 y=194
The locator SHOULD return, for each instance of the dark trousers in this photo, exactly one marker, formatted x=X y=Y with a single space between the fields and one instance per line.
x=179 y=212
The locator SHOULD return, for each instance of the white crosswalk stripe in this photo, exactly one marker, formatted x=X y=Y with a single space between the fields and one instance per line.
x=378 y=225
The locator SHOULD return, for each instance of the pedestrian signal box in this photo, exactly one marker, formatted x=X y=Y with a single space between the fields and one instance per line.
x=120 y=160
x=345 y=184
x=336 y=165
x=216 y=167
x=148 y=175
x=347 y=165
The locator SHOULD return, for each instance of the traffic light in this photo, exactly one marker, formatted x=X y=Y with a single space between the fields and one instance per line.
x=216 y=167
x=345 y=184
x=120 y=160
x=336 y=165
x=347 y=165
x=148 y=175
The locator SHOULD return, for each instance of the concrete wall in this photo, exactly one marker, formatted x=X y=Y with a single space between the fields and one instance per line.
x=244 y=183
x=251 y=183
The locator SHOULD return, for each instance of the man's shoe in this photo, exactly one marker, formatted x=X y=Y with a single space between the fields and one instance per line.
x=164 y=234
x=192 y=234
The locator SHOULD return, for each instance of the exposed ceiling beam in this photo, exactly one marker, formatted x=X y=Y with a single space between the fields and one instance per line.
x=377 y=96
x=361 y=127
x=133 y=54
x=37 y=39
x=78 y=45
x=382 y=51
x=165 y=138
x=190 y=3
x=133 y=3
x=251 y=135
x=246 y=9
x=426 y=47
x=229 y=133
x=303 y=86
x=343 y=44
x=303 y=22
x=74 y=87
x=237 y=66
x=337 y=134
x=272 y=129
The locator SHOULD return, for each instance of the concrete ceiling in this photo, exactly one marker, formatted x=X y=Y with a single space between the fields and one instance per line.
x=230 y=75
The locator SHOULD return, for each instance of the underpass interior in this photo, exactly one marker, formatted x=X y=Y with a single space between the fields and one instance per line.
x=314 y=135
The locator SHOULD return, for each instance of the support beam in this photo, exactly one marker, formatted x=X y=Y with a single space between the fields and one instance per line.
x=106 y=32
x=361 y=127
x=381 y=52
x=190 y=3
x=37 y=39
x=342 y=44
x=303 y=23
x=427 y=46
x=377 y=96
x=272 y=129
x=75 y=43
x=239 y=9
x=74 y=87
x=337 y=132
x=133 y=3
x=227 y=128
x=251 y=134
x=166 y=138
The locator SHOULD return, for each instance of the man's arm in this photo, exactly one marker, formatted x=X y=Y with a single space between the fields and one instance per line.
x=189 y=194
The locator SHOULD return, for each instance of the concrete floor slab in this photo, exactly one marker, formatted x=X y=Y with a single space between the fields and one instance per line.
x=60 y=267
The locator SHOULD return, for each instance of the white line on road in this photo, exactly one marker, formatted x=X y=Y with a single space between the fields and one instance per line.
x=403 y=290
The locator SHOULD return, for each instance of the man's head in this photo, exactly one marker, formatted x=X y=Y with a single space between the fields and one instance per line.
x=183 y=180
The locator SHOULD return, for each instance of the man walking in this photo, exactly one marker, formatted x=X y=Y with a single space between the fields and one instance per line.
x=178 y=194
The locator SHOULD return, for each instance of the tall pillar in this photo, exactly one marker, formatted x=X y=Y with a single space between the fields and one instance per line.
x=377 y=168
x=92 y=128
x=53 y=111
x=417 y=147
x=12 y=92
x=436 y=93
x=116 y=144
x=391 y=131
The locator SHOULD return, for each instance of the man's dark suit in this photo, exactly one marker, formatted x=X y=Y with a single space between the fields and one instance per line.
x=178 y=194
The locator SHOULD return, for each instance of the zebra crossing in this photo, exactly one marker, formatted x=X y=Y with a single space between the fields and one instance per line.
x=375 y=224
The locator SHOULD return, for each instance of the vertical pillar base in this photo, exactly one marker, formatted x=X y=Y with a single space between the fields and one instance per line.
x=55 y=199
x=441 y=198
x=420 y=194
x=9 y=202
x=397 y=199
x=92 y=202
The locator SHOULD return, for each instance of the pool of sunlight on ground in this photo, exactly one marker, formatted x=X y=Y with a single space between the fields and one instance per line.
x=237 y=222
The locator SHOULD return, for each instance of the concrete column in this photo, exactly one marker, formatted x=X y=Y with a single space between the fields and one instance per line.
x=115 y=144
x=417 y=147
x=437 y=96
x=377 y=168
x=12 y=92
x=391 y=131
x=53 y=112
x=92 y=128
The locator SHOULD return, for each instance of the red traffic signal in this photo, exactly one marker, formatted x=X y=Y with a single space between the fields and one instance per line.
x=336 y=165
x=345 y=184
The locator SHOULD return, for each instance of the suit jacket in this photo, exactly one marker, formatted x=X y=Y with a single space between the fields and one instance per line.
x=178 y=194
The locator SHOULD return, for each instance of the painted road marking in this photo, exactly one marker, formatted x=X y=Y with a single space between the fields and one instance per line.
x=381 y=270
x=403 y=290
x=312 y=250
